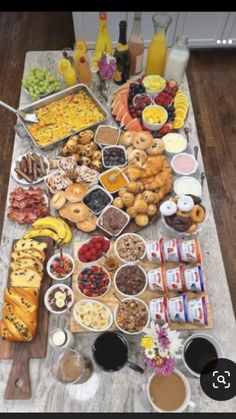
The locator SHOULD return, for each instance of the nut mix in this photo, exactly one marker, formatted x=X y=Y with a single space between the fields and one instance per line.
x=132 y=315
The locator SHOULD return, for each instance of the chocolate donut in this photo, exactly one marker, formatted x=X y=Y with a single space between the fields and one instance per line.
x=181 y=224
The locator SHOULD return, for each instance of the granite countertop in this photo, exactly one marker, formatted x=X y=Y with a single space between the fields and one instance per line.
x=123 y=391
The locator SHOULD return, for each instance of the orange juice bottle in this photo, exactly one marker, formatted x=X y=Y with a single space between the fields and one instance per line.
x=103 y=41
x=157 y=51
x=68 y=72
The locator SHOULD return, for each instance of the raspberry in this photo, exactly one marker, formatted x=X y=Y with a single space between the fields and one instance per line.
x=105 y=245
x=88 y=255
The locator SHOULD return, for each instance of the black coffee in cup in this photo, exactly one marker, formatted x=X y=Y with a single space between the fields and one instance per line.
x=198 y=352
x=110 y=351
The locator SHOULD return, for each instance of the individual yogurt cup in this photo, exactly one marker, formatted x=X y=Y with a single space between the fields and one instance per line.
x=178 y=309
x=174 y=143
x=197 y=311
x=184 y=164
x=158 y=310
x=187 y=185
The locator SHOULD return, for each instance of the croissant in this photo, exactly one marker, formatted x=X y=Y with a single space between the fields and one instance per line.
x=19 y=314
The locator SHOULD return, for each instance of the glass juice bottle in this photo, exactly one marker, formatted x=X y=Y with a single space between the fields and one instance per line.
x=157 y=51
x=103 y=42
x=136 y=45
x=81 y=62
x=177 y=60
x=122 y=56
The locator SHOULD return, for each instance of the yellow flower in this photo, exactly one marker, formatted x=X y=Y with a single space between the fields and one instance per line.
x=117 y=75
x=147 y=342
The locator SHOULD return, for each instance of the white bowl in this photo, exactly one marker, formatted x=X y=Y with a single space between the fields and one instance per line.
x=171 y=138
x=116 y=146
x=142 y=95
x=178 y=172
x=62 y=286
x=104 y=191
x=154 y=127
x=88 y=327
x=124 y=331
x=186 y=185
x=118 y=209
x=130 y=295
x=106 y=144
x=51 y=261
x=154 y=92
x=129 y=234
x=87 y=241
x=97 y=296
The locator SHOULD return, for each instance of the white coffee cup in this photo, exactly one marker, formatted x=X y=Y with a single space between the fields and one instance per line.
x=218 y=348
x=187 y=402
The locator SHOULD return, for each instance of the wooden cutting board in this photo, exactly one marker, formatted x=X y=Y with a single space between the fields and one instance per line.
x=18 y=385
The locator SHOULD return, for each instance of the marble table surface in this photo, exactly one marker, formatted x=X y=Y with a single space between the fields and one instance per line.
x=123 y=391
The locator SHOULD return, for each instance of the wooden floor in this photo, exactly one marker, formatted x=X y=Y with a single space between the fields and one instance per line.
x=212 y=80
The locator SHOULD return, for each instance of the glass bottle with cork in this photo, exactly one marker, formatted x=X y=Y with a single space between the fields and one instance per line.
x=122 y=56
x=136 y=45
x=177 y=60
x=157 y=51
x=103 y=42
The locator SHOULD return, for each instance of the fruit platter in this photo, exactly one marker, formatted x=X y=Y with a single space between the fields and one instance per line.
x=151 y=103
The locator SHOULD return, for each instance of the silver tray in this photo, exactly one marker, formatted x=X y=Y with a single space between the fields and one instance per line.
x=53 y=98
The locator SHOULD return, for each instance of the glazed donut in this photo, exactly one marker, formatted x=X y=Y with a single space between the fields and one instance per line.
x=58 y=200
x=185 y=203
x=198 y=214
x=76 y=212
x=193 y=228
x=184 y=214
x=89 y=224
x=126 y=138
x=137 y=156
x=75 y=192
x=168 y=208
x=142 y=140
x=157 y=147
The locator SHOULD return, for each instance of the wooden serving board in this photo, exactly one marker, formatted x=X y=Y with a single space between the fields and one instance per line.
x=18 y=385
x=110 y=300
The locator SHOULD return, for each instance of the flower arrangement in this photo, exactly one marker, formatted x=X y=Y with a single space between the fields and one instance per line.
x=160 y=345
x=106 y=67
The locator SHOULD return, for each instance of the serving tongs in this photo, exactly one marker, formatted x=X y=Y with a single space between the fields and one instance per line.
x=27 y=117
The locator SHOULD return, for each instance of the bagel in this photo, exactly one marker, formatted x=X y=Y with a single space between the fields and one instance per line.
x=58 y=200
x=89 y=224
x=138 y=156
x=75 y=212
x=157 y=147
x=142 y=140
x=198 y=214
x=126 y=138
x=75 y=192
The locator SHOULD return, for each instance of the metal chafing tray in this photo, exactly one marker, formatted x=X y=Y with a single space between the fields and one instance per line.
x=22 y=128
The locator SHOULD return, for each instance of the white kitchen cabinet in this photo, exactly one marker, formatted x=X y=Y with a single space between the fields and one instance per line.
x=230 y=30
x=203 y=29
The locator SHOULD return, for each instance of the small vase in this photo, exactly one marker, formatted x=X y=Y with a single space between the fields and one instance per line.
x=102 y=88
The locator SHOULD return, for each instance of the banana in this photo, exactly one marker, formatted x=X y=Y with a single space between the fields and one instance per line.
x=53 y=223
x=87 y=320
x=37 y=232
x=69 y=235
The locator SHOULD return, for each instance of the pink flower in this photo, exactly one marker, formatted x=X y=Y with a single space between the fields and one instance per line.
x=107 y=66
x=166 y=367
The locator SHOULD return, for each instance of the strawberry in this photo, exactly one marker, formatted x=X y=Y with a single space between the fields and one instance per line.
x=105 y=245
x=82 y=258
x=88 y=255
x=94 y=251
x=98 y=245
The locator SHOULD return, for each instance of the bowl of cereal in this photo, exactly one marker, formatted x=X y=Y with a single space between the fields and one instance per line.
x=131 y=315
x=130 y=247
x=93 y=315
x=130 y=280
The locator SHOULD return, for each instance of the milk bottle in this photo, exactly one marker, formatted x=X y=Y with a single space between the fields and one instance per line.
x=177 y=60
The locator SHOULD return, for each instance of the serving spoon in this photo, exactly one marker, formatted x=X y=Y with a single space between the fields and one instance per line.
x=28 y=117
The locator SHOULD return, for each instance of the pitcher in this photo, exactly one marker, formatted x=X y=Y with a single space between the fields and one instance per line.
x=157 y=51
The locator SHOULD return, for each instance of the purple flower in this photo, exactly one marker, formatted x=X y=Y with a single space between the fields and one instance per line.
x=163 y=337
x=107 y=66
x=165 y=367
